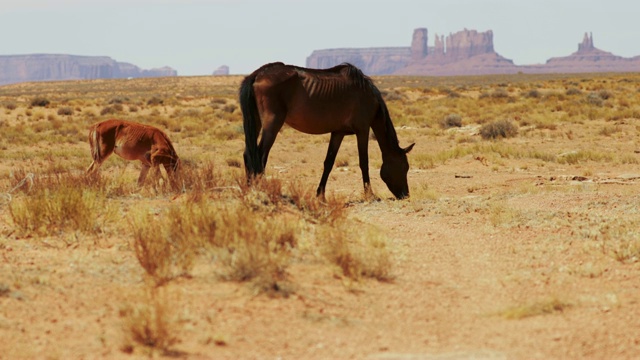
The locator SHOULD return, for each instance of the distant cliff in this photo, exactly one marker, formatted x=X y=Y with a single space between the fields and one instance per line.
x=47 y=67
x=467 y=52
x=373 y=61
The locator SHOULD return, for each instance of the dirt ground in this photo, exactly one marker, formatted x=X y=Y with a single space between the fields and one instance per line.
x=494 y=258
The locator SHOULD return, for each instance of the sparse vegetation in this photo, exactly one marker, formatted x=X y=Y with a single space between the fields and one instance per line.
x=549 y=210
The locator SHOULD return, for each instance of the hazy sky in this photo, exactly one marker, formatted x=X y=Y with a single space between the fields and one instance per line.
x=196 y=36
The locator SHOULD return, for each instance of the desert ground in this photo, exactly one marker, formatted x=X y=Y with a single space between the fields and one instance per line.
x=522 y=246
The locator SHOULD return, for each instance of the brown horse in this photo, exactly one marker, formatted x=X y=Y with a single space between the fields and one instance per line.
x=132 y=141
x=341 y=101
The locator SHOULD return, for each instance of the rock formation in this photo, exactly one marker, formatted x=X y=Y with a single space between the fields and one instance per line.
x=466 y=52
x=588 y=58
x=222 y=70
x=373 y=61
x=45 y=67
x=419 y=44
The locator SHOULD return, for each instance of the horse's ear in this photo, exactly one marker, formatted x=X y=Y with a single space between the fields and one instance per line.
x=408 y=148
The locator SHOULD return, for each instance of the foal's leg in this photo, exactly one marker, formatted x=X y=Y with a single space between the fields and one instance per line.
x=143 y=173
x=332 y=151
x=147 y=163
x=363 y=156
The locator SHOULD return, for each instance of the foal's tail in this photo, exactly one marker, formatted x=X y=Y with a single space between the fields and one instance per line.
x=94 y=142
x=251 y=124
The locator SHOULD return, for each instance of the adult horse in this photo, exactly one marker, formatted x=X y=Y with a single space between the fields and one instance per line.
x=132 y=141
x=341 y=101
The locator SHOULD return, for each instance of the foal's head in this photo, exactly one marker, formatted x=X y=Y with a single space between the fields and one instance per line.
x=394 y=172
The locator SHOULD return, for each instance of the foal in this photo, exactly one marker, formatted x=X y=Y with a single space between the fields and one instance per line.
x=132 y=141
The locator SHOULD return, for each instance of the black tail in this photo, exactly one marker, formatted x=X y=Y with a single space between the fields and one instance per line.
x=251 y=124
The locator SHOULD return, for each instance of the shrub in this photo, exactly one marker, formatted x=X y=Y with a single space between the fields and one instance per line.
x=49 y=211
x=10 y=105
x=594 y=99
x=534 y=93
x=109 y=110
x=155 y=101
x=40 y=101
x=230 y=108
x=357 y=251
x=150 y=324
x=604 y=94
x=65 y=111
x=573 y=91
x=498 y=129
x=451 y=120
x=118 y=100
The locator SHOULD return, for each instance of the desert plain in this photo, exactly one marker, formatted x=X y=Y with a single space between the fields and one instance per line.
x=520 y=239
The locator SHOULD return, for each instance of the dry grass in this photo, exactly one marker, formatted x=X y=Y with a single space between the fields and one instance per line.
x=358 y=251
x=543 y=307
x=58 y=203
x=150 y=325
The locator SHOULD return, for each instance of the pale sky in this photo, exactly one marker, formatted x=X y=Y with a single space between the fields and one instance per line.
x=196 y=36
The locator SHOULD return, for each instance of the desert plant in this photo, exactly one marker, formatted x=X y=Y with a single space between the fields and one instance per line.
x=358 y=251
x=498 y=129
x=451 y=120
x=65 y=111
x=40 y=101
x=573 y=91
x=10 y=105
x=48 y=211
x=108 y=110
x=155 y=101
x=533 y=93
x=314 y=208
x=594 y=99
x=150 y=324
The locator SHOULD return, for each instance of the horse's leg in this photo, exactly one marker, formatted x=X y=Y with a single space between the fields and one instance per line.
x=363 y=156
x=332 y=151
x=271 y=125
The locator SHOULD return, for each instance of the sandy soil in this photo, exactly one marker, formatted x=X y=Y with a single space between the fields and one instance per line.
x=481 y=241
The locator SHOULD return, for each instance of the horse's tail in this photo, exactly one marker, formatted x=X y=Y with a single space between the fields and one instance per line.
x=251 y=124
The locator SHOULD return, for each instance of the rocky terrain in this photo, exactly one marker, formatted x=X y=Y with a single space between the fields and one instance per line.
x=47 y=67
x=467 y=52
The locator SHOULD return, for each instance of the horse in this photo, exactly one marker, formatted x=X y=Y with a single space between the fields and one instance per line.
x=340 y=100
x=132 y=141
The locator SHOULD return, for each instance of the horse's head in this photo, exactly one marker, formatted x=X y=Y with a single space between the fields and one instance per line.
x=394 y=172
